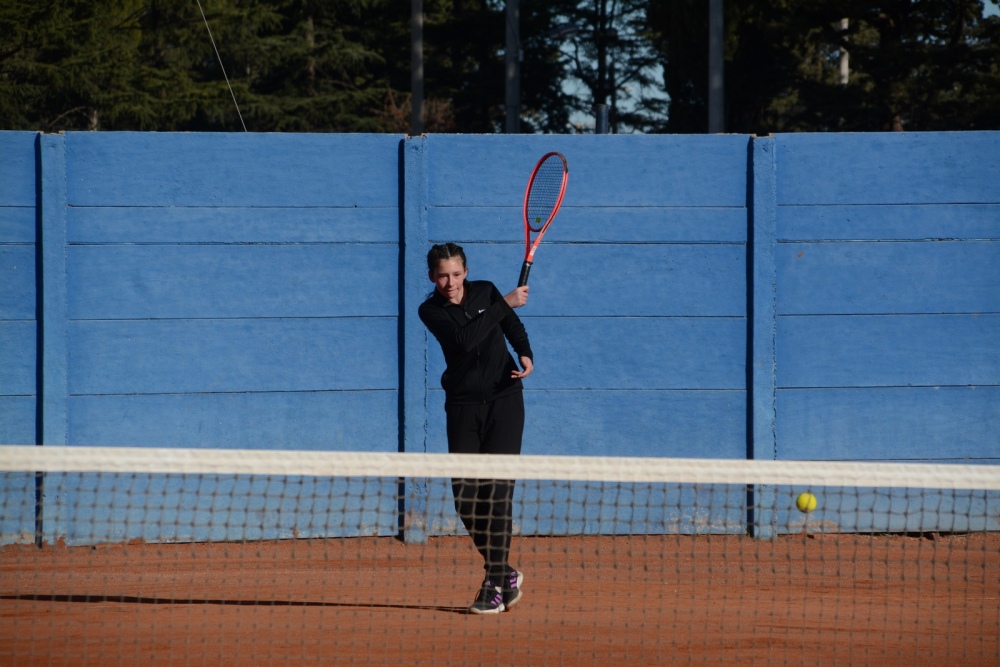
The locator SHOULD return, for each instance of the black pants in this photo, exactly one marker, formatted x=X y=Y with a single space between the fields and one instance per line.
x=485 y=505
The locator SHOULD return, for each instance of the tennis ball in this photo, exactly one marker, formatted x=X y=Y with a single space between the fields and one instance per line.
x=806 y=502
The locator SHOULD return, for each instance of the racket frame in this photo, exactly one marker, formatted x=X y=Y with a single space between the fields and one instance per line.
x=529 y=246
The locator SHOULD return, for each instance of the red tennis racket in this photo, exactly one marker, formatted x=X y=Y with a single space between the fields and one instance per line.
x=542 y=199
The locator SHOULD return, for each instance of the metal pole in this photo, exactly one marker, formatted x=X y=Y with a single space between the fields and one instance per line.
x=513 y=63
x=601 y=114
x=416 y=67
x=716 y=89
x=845 y=56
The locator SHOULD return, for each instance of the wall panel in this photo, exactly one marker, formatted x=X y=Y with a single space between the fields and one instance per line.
x=311 y=420
x=233 y=224
x=888 y=296
x=18 y=326
x=206 y=356
x=884 y=423
x=231 y=169
x=902 y=168
x=231 y=281
x=889 y=278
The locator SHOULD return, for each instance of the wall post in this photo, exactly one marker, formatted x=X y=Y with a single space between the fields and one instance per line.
x=52 y=427
x=413 y=352
x=761 y=326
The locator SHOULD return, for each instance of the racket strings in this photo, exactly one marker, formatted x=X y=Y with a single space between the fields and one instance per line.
x=546 y=190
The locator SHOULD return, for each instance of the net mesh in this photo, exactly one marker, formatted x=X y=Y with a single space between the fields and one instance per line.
x=218 y=557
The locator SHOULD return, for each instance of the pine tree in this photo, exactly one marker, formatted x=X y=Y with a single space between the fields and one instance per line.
x=914 y=65
x=67 y=65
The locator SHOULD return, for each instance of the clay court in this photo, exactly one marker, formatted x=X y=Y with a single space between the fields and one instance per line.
x=641 y=600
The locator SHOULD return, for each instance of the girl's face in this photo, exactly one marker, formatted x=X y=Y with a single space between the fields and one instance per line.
x=449 y=278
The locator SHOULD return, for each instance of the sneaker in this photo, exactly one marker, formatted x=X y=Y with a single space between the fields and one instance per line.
x=512 y=589
x=489 y=601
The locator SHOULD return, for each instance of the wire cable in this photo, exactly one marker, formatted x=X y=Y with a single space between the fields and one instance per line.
x=221 y=65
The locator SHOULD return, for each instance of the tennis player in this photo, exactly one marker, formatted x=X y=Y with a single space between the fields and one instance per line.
x=483 y=405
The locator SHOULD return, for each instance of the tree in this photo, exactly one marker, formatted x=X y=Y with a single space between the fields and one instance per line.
x=611 y=56
x=916 y=65
x=923 y=65
x=302 y=65
x=545 y=104
x=67 y=65
x=344 y=65
x=464 y=43
x=464 y=62
x=307 y=65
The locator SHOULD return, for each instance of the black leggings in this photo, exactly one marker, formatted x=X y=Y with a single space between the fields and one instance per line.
x=485 y=505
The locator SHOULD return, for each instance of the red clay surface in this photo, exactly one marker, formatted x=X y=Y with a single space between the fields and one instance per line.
x=823 y=600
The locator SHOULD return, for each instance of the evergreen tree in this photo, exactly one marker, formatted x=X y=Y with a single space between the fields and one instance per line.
x=920 y=65
x=151 y=65
x=310 y=67
x=67 y=65
x=612 y=56
x=344 y=65
x=913 y=64
x=464 y=67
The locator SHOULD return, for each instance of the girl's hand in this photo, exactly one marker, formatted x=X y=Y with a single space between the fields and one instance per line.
x=518 y=297
x=527 y=366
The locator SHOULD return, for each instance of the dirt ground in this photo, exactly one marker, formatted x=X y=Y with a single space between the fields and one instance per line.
x=641 y=600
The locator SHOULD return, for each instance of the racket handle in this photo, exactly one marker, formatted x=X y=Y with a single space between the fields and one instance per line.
x=525 y=269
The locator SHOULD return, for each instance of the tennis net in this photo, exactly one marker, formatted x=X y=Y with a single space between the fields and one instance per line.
x=121 y=556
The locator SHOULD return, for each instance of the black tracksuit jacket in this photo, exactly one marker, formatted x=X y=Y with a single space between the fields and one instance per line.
x=478 y=362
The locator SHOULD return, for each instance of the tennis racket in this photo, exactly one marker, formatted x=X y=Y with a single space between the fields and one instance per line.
x=542 y=199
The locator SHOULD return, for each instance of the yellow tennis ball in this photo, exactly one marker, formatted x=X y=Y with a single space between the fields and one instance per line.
x=806 y=502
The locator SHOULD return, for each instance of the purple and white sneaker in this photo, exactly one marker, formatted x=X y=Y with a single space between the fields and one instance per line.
x=512 y=588
x=489 y=600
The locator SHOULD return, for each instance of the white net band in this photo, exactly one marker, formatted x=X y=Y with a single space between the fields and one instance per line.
x=569 y=468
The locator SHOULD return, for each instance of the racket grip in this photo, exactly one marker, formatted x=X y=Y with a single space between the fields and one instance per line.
x=525 y=269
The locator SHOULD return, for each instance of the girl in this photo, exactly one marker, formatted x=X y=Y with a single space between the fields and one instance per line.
x=483 y=404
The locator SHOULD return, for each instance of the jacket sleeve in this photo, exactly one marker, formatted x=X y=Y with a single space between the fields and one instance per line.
x=513 y=329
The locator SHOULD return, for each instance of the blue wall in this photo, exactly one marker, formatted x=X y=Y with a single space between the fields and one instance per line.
x=830 y=297
x=888 y=297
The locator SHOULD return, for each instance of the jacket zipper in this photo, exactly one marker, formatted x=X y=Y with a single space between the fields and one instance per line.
x=479 y=365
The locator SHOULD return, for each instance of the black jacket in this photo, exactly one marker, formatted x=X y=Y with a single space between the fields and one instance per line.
x=472 y=338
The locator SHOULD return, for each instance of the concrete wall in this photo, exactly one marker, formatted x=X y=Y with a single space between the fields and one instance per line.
x=830 y=297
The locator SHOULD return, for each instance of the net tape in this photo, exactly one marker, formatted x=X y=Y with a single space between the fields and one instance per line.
x=17 y=458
